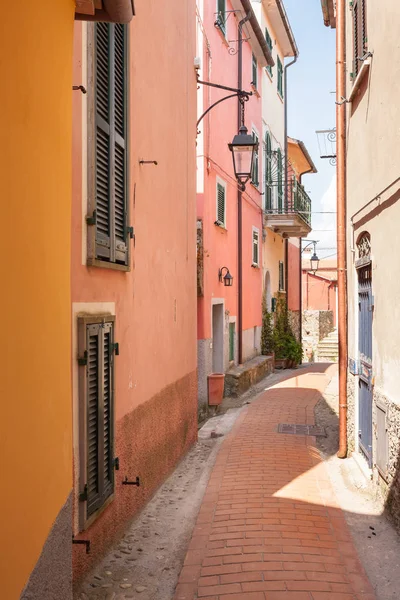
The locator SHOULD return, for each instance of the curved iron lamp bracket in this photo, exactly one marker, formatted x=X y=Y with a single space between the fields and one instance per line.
x=241 y=94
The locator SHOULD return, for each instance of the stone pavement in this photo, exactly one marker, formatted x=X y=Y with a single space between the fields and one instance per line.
x=270 y=527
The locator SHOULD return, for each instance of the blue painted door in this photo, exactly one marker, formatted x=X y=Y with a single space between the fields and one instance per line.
x=365 y=312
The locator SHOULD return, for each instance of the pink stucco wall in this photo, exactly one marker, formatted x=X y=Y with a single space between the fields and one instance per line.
x=319 y=294
x=155 y=302
x=220 y=245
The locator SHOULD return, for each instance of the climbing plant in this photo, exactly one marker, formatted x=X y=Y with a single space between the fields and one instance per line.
x=267 y=329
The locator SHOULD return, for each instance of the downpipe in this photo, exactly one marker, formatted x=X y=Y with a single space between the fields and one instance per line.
x=341 y=220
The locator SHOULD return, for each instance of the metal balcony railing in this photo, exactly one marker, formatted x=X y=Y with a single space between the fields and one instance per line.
x=297 y=201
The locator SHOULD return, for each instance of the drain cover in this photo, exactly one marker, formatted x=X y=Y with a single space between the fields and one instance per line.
x=295 y=429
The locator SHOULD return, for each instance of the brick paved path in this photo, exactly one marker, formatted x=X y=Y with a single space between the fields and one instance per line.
x=270 y=527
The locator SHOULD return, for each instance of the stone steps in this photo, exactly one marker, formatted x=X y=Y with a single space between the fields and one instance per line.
x=328 y=348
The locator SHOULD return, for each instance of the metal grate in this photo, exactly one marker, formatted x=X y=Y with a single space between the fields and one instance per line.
x=295 y=429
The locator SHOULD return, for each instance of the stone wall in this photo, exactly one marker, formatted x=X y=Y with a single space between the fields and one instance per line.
x=389 y=481
x=294 y=322
x=317 y=324
x=325 y=323
x=351 y=412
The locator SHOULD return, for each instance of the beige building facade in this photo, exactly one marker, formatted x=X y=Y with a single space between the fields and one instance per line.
x=373 y=241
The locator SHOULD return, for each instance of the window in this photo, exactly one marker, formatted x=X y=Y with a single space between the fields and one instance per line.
x=360 y=40
x=254 y=71
x=280 y=76
x=107 y=150
x=221 y=16
x=269 y=44
x=221 y=204
x=268 y=172
x=96 y=359
x=281 y=276
x=280 y=179
x=256 y=235
x=255 y=166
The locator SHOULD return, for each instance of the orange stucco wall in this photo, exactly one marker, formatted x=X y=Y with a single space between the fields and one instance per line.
x=35 y=172
x=154 y=303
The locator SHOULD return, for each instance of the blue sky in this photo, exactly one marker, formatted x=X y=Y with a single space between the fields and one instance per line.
x=312 y=106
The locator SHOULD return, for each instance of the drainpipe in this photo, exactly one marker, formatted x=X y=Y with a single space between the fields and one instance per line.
x=341 y=219
x=286 y=174
x=239 y=198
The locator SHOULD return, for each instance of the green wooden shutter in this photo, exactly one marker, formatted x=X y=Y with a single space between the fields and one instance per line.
x=221 y=204
x=280 y=76
x=254 y=70
x=100 y=415
x=268 y=172
x=111 y=142
x=221 y=16
x=255 y=166
x=269 y=44
x=280 y=180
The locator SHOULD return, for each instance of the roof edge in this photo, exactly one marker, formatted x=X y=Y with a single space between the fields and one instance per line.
x=248 y=9
x=306 y=154
x=286 y=23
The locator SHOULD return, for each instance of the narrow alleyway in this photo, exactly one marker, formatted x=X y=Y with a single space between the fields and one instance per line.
x=270 y=527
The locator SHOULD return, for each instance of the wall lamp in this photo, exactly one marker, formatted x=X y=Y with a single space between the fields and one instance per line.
x=227 y=278
x=243 y=148
x=314 y=260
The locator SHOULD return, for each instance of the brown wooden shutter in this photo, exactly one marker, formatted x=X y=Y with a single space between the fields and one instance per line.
x=111 y=142
x=120 y=137
x=108 y=411
x=103 y=139
x=93 y=424
x=100 y=415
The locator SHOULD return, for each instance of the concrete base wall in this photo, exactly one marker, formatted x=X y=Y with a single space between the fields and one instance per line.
x=51 y=578
x=251 y=343
x=205 y=360
x=150 y=441
x=388 y=480
x=204 y=368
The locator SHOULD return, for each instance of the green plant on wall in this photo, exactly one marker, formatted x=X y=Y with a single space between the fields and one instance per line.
x=267 y=330
x=284 y=341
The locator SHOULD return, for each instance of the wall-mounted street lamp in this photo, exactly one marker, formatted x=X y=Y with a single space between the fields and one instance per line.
x=227 y=278
x=243 y=148
x=314 y=261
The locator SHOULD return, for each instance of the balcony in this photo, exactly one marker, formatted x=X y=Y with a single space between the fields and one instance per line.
x=291 y=217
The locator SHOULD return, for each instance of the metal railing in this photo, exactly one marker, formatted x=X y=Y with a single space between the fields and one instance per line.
x=297 y=201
